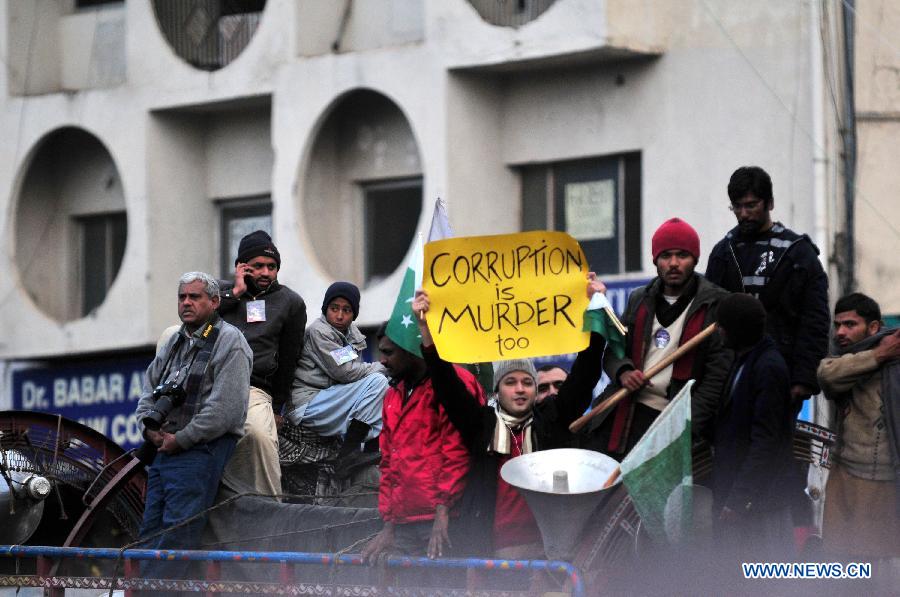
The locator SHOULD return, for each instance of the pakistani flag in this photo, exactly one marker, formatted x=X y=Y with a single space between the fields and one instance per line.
x=402 y=327
x=657 y=473
x=597 y=319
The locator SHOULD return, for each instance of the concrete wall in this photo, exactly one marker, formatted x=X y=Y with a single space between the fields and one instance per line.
x=324 y=26
x=877 y=230
x=92 y=48
x=365 y=138
x=71 y=175
x=239 y=157
x=698 y=88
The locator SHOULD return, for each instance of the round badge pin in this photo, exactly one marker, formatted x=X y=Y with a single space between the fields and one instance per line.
x=661 y=338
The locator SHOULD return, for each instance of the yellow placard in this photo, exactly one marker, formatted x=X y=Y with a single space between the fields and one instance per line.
x=508 y=296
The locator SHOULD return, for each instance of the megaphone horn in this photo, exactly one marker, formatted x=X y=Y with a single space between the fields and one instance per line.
x=563 y=488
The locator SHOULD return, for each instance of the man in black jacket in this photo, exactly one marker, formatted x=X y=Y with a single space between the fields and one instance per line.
x=273 y=320
x=515 y=425
x=781 y=268
x=752 y=438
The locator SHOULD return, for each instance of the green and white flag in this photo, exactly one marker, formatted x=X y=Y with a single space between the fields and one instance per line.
x=596 y=319
x=402 y=327
x=658 y=476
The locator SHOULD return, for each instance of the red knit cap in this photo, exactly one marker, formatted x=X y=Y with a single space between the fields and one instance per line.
x=675 y=234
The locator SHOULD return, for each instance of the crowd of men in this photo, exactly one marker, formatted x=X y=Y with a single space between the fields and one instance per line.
x=259 y=389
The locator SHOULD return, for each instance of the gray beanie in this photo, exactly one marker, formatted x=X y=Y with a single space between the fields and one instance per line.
x=504 y=368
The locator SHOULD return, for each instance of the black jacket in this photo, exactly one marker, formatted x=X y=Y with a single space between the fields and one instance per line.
x=711 y=361
x=753 y=433
x=795 y=298
x=476 y=424
x=276 y=342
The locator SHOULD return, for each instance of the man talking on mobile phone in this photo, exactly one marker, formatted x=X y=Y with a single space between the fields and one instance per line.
x=273 y=320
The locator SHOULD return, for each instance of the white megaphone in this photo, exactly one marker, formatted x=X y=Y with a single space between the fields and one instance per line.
x=563 y=488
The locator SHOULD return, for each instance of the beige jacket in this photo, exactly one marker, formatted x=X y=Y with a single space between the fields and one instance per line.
x=862 y=445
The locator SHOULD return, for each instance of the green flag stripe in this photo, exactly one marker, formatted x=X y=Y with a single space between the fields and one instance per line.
x=402 y=327
x=651 y=483
x=597 y=320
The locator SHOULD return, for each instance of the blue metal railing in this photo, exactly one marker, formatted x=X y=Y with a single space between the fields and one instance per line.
x=291 y=557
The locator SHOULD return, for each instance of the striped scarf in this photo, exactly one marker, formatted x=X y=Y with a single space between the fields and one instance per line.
x=506 y=429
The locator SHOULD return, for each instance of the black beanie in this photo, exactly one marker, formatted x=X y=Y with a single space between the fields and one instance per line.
x=344 y=290
x=743 y=318
x=257 y=244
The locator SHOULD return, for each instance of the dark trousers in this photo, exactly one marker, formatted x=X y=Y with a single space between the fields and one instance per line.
x=180 y=486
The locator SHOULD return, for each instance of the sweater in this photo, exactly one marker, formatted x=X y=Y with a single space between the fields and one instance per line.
x=276 y=342
x=221 y=405
x=326 y=360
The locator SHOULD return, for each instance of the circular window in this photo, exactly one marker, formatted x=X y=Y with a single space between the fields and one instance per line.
x=70 y=225
x=510 y=13
x=362 y=192
x=208 y=34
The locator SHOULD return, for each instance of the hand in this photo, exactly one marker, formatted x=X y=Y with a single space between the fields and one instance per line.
x=634 y=380
x=420 y=306
x=169 y=444
x=439 y=534
x=888 y=349
x=800 y=392
x=279 y=421
x=240 y=287
x=382 y=542
x=154 y=437
x=594 y=285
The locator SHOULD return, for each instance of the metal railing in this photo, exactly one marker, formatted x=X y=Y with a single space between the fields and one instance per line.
x=287 y=578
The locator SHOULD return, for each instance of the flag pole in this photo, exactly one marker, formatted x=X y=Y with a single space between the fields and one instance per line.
x=610 y=402
x=421 y=314
x=615 y=320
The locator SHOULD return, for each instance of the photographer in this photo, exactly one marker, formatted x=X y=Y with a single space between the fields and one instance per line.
x=192 y=409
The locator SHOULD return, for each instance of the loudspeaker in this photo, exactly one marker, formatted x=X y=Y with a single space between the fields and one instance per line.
x=563 y=488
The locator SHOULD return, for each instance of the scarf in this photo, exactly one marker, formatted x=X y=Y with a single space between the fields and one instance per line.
x=506 y=428
x=666 y=314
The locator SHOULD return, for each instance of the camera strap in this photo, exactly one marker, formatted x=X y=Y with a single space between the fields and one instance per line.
x=197 y=369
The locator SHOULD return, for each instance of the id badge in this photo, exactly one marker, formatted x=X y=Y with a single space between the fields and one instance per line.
x=256 y=311
x=343 y=355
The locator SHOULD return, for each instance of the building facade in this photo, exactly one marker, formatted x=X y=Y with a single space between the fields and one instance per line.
x=142 y=139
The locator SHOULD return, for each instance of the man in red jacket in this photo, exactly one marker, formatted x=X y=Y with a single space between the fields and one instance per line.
x=424 y=462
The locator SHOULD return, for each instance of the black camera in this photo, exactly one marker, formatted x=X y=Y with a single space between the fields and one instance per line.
x=167 y=396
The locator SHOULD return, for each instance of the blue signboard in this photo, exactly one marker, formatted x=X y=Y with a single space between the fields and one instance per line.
x=101 y=394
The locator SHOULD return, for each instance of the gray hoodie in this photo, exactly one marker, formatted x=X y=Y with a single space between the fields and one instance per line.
x=318 y=367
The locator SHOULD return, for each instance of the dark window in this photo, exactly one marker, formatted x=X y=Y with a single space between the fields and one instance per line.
x=90 y=3
x=240 y=218
x=102 y=249
x=510 y=13
x=596 y=200
x=208 y=34
x=391 y=211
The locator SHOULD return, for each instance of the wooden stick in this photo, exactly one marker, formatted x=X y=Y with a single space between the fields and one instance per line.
x=610 y=402
x=612 y=478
